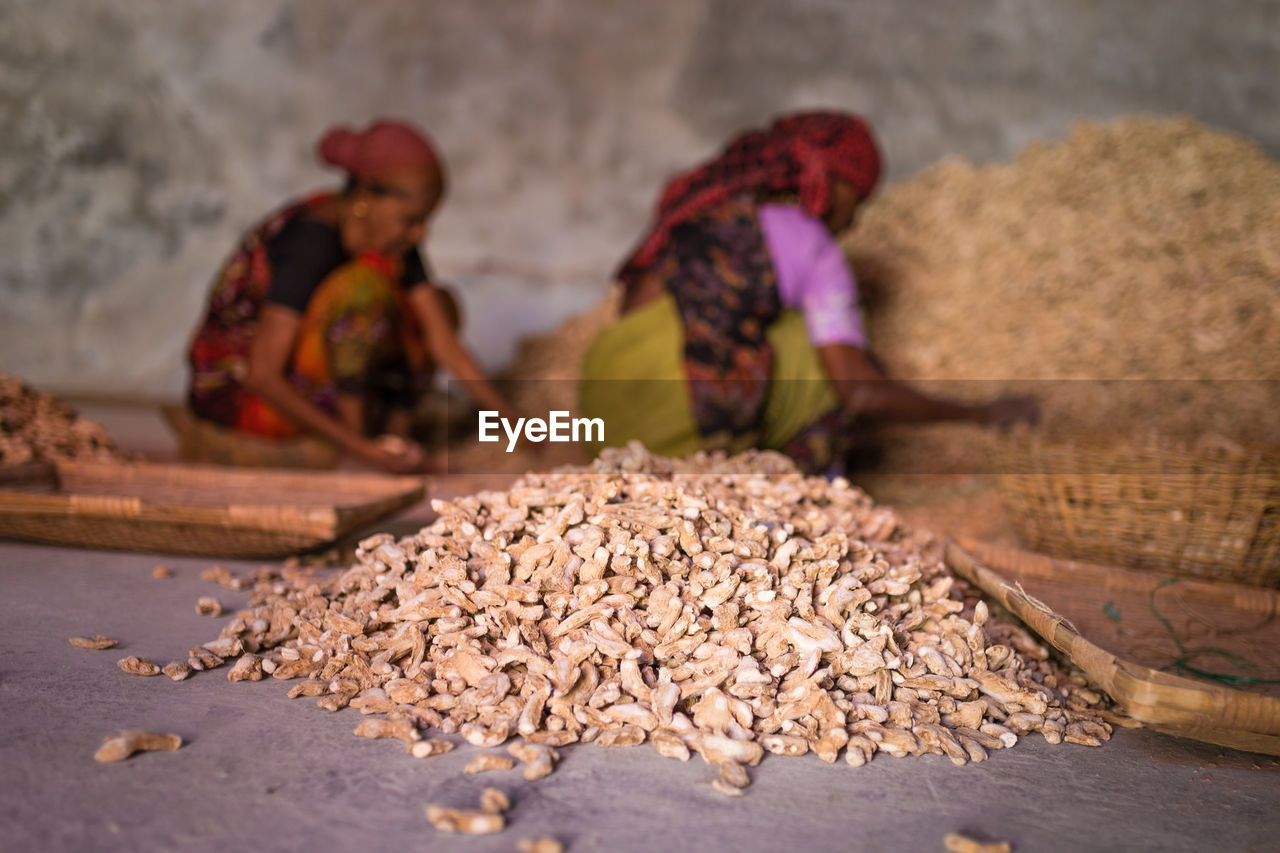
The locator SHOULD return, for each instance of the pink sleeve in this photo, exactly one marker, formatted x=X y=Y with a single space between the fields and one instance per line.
x=813 y=275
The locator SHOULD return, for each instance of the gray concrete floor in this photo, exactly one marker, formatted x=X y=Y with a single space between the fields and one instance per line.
x=262 y=772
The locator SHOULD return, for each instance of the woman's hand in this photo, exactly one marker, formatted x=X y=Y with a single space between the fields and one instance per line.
x=397 y=455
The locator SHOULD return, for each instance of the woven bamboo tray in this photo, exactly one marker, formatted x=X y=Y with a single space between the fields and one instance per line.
x=178 y=509
x=1059 y=599
x=1211 y=513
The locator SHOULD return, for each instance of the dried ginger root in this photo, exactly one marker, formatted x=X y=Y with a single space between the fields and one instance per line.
x=488 y=761
x=538 y=760
x=723 y=607
x=177 y=670
x=539 y=845
x=493 y=801
x=120 y=746
x=138 y=666
x=428 y=748
x=957 y=843
x=209 y=606
x=97 y=641
x=464 y=821
x=37 y=427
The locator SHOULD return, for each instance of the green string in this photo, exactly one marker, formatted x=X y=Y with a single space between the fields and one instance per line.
x=1182 y=665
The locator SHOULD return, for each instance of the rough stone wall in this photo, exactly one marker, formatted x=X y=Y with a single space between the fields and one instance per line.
x=142 y=138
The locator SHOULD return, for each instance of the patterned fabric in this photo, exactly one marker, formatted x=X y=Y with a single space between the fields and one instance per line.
x=357 y=336
x=801 y=153
x=634 y=377
x=219 y=353
x=718 y=270
x=824 y=445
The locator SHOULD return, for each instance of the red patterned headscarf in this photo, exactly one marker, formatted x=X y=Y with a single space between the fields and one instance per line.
x=799 y=153
x=384 y=146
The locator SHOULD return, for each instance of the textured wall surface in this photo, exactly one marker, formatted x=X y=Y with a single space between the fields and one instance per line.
x=142 y=138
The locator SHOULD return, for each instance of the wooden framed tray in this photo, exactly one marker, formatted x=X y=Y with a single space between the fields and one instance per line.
x=181 y=509
x=1064 y=600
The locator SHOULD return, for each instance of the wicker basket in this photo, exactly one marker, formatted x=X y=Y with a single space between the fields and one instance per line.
x=178 y=509
x=1206 y=512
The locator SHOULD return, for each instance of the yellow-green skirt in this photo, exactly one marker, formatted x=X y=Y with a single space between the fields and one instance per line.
x=633 y=379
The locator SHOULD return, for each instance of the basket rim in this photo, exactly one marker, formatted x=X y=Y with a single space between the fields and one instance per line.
x=1210 y=447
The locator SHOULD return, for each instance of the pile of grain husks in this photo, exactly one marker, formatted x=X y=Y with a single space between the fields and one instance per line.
x=1144 y=249
x=36 y=427
x=724 y=607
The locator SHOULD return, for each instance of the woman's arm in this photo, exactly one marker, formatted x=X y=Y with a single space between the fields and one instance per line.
x=448 y=351
x=865 y=390
x=814 y=275
x=268 y=359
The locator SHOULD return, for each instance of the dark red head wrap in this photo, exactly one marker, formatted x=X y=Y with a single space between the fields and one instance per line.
x=384 y=146
x=799 y=153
